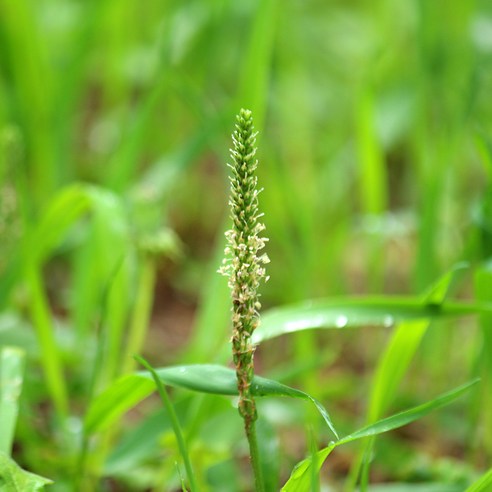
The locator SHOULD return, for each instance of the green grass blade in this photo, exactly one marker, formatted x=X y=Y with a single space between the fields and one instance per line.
x=122 y=395
x=356 y=312
x=22 y=37
x=204 y=378
x=257 y=63
x=11 y=376
x=300 y=479
x=63 y=210
x=141 y=311
x=183 y=448
x=483 y=290
x=393 y=365
x=483 y=484
x=212 y=325
x=50 y=356
x=437 y=292
x=395 y=360
x=373 y=176
x=404 y=418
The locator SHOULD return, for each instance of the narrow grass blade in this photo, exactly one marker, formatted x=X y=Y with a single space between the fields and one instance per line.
x=122 y=395
x=373 y=176
x=64 y=209
x=257 y=62
x=393 y=365
x=483 y=291
x=14 y=479
x=109 y=220
x=50 y=356
x=483 y=484
x=394 y=362
x=436 y=293
x=356 y=312
x=213 y=319
x=11 y=376
x=300 y=479
x=141 y=311
x=183 y=448
x=204 y=378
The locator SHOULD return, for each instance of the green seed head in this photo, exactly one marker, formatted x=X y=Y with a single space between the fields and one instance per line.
x=243 y=264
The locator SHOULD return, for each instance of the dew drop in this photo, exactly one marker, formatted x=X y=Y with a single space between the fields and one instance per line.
x=295 y=325
x=388 y=321
x=182 y=369
x=341 y=321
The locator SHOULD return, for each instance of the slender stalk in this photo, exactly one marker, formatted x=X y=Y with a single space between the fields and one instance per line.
x=255 y=455
x=245 y=270
x=183 y=448
x=50 y=356
x=141 y=312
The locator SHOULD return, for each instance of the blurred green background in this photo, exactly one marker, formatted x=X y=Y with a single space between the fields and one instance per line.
x=375 y=156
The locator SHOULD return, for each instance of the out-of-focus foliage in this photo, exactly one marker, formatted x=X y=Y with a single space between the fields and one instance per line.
x=375 y=123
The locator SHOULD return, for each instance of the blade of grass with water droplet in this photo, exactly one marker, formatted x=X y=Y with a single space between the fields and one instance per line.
x=356 y=312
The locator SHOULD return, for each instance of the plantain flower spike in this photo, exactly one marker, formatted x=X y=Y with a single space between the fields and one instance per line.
x=243 y=264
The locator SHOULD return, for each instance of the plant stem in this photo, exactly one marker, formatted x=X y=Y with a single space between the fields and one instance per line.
x=245 y=269
x=183 y=448
x=250 y=428
x=141 y=312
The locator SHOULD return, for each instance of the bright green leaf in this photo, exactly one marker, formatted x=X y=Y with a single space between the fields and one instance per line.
x=203 y=378
x=356 y=312
x=14 y=479
x=300 y=479
x=483 y=484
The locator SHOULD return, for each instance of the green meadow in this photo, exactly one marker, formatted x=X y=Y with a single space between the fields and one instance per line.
x=126 y=359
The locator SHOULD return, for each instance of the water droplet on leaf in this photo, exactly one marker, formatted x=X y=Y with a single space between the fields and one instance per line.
x=341 y=321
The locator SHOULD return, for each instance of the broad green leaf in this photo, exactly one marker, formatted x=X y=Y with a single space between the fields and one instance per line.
x=356 y=312
x=11 y=375
x=483 y=484
x=203 y=378
x=14 y=479
x=300 y=479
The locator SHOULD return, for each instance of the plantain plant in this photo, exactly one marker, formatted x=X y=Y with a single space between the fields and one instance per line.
x=245 y=269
